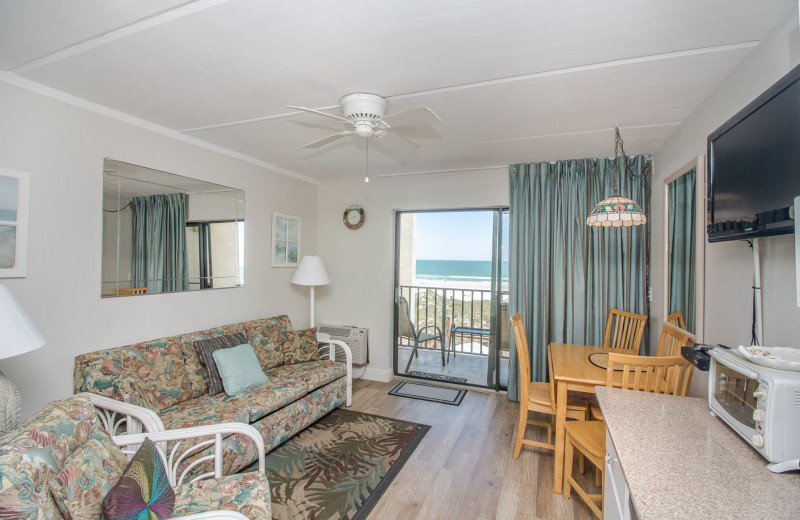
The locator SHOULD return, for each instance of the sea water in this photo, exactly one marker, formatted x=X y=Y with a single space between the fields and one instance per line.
x=458 y=271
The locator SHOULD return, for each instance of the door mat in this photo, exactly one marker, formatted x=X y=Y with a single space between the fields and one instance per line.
x=438 y=377
x=339 y=466
x=437 y=394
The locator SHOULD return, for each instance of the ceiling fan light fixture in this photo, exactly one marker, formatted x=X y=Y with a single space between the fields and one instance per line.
x=364 y=129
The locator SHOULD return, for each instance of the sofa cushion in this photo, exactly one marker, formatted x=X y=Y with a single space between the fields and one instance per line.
x=158 y=367
x=239 y=368
x=314 y=373
x=88 y=475
x=246 y=493
x=246 y=407
x=34 y=452
x=300 y=346
x=143 y=491
x=205 y=350
x=266 y=341
x=268 y=325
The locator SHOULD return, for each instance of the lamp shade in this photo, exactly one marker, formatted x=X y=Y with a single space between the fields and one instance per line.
x=616 y=211
x=18 y=334
x=311 y=271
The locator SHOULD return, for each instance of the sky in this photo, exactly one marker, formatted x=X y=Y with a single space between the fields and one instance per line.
x=455 y=235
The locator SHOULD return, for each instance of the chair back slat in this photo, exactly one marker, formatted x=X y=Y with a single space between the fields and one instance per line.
x=624 y=331
x=662 y=375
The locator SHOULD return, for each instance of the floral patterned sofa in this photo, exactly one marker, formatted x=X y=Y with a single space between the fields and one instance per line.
x=61 y=462
x=160 y=385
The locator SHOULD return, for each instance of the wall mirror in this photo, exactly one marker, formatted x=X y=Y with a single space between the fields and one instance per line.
x=684 y=235
x=168 y=233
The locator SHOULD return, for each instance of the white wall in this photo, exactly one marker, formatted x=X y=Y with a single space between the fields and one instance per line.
x=729 y=265
x=360 y=262
x=63 y=148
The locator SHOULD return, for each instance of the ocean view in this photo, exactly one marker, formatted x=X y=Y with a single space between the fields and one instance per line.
x=458 y=272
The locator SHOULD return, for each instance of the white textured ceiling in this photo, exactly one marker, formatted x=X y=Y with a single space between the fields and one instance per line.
x=513 y=81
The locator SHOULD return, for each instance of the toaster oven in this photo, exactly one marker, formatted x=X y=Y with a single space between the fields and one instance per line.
x=761 y=404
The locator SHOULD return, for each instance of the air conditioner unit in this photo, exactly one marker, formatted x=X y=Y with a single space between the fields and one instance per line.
x=355 y=337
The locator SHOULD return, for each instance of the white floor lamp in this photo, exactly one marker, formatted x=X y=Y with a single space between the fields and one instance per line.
x=311 y=272
x=18 y=335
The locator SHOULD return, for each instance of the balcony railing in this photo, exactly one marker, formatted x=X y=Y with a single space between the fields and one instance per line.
x=454 y=310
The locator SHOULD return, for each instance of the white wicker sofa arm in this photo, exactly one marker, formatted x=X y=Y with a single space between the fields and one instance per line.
x=118 y=417
x=327 y=348
x=173 y=459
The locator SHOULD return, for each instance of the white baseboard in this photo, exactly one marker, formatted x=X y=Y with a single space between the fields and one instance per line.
x=376 y=374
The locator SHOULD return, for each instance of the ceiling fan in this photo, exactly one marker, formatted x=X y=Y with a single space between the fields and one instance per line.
x=365 y=116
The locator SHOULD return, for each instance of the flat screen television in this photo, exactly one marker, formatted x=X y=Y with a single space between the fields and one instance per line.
x=754 y=166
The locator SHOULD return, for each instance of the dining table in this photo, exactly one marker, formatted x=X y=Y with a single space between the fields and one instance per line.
x=572 y=371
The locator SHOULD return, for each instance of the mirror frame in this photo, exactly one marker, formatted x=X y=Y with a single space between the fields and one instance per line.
x=700 y=242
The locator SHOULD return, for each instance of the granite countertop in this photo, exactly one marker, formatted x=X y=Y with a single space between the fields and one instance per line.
x=680 y=462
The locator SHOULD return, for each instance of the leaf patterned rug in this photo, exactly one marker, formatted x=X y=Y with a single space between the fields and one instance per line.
x=339 y=466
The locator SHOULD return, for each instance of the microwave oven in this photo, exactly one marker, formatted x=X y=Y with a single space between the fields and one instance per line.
x=761 y=404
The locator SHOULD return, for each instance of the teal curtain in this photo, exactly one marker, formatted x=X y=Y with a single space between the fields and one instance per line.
x=681 y=238
x=159 y=243
x=564 y=276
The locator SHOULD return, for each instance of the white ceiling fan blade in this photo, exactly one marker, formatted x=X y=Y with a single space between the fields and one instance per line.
x=419 y=116
x=319 y=112
x=326 y=140
x=397 y=143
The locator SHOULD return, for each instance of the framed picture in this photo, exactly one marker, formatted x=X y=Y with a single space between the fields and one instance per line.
x=14 y=197
x=285 y=240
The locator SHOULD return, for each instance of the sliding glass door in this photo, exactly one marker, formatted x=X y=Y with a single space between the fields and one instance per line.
x=451 y=296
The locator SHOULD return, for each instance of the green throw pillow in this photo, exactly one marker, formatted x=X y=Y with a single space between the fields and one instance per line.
x=239 y=368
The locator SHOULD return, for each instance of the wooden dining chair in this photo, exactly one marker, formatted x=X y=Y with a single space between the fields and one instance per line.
x=538 y=397
x=624 y=331
x=671 y=341
x=669 y=344
x=676 y=318
x=661 y=375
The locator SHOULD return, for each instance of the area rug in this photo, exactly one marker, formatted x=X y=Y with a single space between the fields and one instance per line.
x=437 y=394
x=339 y=466
x=438 y=377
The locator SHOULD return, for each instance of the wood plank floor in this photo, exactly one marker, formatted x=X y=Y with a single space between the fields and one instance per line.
x=463 y=468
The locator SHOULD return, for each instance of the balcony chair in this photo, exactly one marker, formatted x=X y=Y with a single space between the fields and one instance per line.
x=407 y=329
x=660 y=375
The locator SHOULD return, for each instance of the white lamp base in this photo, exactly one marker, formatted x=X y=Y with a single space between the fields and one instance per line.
x=10 y=405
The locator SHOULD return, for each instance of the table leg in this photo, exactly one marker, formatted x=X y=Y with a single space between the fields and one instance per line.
x=561 y=417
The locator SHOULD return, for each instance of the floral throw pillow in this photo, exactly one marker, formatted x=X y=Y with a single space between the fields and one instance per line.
x=88 y=474
x=143 y=491
x=299 y=346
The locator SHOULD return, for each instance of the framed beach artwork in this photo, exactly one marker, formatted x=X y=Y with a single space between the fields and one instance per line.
x=14 y=196
x=285 y=240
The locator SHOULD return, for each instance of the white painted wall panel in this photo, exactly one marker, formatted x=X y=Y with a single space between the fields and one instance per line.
x=63 y=148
